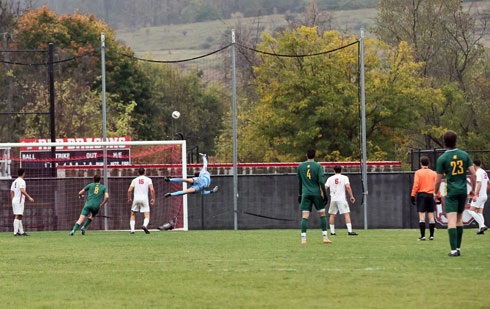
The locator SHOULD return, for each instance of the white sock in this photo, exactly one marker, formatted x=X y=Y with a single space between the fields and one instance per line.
x=21 y=227
x=303 y=236
x=131 y=224
x=482 y=218
x=145 y=222
x=476 y=217
x=16 y=226
x=332 y=228
x=349 y=227
x=325 y=234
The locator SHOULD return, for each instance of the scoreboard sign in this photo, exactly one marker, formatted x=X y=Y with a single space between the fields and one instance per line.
x=42 y=157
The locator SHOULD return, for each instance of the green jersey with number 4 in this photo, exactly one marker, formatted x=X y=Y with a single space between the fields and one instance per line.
x=96 y=193
x=454 y=163
x=310 y=178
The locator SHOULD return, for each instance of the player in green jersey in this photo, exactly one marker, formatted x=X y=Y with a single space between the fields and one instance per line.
x=312 y=191
x=97 y=197
x=454 y=163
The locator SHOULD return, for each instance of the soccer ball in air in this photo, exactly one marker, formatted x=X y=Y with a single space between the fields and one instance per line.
x=175 y=115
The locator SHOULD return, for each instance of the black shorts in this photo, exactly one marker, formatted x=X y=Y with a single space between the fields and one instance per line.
x=425 y=202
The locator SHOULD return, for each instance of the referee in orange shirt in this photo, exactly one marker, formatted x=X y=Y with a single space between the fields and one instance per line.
x=423 y=187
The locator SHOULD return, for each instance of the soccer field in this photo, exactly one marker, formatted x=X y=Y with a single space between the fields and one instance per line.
x=257 y=268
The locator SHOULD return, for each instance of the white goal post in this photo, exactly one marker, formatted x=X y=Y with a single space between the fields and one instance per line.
x=56 y=171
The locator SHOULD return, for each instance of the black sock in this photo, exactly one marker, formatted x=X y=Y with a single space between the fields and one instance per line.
x=432 y=226
x=422 y=228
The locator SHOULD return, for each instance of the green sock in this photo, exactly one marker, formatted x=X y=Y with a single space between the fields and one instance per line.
x=460 y=236
x=453 y=238
x=87 y=223
x=304 y=225
x=323 y=222
x=75 y=228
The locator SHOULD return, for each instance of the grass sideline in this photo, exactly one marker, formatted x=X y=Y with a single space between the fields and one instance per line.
x=256 y=268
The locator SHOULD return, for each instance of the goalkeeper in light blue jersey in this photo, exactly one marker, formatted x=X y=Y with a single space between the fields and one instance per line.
x=199 y=183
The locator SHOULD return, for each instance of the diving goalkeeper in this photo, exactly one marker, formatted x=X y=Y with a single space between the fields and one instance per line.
x=201 y=181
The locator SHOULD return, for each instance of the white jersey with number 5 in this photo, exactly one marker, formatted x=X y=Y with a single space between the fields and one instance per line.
x=141 y=185
x=482 y=176
x=18 y=184
x=336 y=184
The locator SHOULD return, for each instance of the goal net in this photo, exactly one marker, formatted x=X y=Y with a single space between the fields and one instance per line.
x=56 y=172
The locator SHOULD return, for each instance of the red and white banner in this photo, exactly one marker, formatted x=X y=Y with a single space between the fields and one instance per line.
x=74 y=140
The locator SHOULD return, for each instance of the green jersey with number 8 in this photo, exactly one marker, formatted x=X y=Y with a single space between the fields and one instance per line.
x=454 y=163
x=96 y=193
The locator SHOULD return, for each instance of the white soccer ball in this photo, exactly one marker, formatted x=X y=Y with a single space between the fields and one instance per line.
x=175 y=115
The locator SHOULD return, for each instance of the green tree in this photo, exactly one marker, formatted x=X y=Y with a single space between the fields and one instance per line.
x=201 y=105
x=312 y=101
x=78 y=120
x=446 y=38
x=76 y=35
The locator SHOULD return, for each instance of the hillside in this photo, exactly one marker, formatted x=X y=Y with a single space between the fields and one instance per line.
x=171 y=42
x=187 y=40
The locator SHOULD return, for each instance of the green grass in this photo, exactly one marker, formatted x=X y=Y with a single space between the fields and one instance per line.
x=227 y=269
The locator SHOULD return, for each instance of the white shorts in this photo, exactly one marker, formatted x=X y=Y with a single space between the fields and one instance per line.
x=18 y=208
x=480 y=202
x=141 y=205
x=338 y=206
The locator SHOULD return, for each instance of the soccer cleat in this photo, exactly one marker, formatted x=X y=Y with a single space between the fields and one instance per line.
x=215 y=189
x=455 y=254
x=422 y=238
x=484 y=228
x=24 y=234
x=333 y=234
x=352 y=233
x=480 y=232
x=327 y=241
x=72 y=233
x=145 y=229
x=431 y=238
x=17 y=234
x=167 y=194
x=131 y=232
x=82 y=230
x=167 y=179
x=458 y=251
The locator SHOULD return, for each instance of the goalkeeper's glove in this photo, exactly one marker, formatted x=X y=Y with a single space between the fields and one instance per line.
x=299 y=199
x=412 y=199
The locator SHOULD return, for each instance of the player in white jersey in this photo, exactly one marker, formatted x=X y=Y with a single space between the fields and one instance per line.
x=480 y=197
x=338 y=183
x=17 y=193
x=140 y=185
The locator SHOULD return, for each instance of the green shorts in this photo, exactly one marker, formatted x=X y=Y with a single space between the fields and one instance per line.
x=308 y=200
x=455 y=203
x=90 y=209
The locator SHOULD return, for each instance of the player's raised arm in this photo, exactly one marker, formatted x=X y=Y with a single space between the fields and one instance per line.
x=152 y=192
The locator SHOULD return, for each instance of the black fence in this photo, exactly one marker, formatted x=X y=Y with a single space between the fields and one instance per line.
x=265 y=202
x=433 y=154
